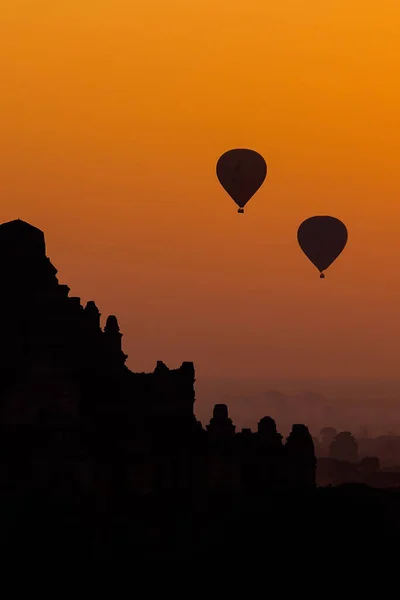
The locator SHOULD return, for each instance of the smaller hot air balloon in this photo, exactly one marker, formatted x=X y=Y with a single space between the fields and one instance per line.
x=241 y=172
x=322 y=239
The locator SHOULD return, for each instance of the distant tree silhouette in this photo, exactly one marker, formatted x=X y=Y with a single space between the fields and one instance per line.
x=344 y=447
x=318 y=447
x=368 y=465
x=327 y=435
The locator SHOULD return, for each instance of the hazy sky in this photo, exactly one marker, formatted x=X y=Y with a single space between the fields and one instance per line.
x=113 y=114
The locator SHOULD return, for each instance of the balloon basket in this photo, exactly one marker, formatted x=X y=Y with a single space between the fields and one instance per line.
x=322 y=276
x=241 y=211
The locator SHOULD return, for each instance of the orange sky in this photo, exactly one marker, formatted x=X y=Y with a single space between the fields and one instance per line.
x=113 y=114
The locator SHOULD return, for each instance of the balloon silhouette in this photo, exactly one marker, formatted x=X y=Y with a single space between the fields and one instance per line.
x=241 y=172
x=322 y=239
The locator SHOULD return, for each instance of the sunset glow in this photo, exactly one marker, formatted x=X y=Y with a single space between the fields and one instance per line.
x=113 y=115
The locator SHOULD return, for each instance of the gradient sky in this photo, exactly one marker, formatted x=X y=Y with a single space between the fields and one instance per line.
x=113 y=114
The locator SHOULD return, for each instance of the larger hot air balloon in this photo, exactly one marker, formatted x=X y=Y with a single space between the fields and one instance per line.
x=322 y=239
x=241 y=172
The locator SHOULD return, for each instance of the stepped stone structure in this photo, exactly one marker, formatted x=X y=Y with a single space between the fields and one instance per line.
x=74 y=416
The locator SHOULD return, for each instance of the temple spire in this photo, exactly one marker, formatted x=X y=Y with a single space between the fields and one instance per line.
x=113 y=337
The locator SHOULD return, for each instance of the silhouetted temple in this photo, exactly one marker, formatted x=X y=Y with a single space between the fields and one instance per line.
x=74 y=415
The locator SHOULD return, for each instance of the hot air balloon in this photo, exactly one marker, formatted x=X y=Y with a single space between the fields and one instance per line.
x=241 y=172
x=322 y=239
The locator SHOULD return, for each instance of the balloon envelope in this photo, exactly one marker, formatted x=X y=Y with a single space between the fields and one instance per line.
x=241 y=172
x=322 y=239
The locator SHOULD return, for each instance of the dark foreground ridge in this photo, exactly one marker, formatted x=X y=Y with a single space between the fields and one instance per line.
x=111 y=463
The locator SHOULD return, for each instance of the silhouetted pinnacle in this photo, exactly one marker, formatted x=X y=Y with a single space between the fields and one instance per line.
x=91 y=307
x=266 y=425
x=111 y=325
x=92 y=315
x=21 y=238
x=220 y=412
